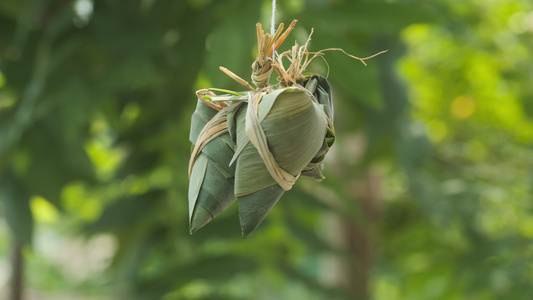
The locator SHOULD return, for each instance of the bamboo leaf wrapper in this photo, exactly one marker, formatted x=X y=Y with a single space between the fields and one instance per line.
x=253 y=146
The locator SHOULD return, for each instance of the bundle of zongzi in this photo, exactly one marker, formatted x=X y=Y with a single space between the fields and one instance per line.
x=252 y=146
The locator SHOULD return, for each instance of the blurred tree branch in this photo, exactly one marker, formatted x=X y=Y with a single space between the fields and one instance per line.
x=17 y=271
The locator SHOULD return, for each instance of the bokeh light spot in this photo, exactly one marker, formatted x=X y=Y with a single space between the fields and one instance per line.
x=462 y=107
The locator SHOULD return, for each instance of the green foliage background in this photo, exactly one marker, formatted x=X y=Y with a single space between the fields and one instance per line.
x=428 y=190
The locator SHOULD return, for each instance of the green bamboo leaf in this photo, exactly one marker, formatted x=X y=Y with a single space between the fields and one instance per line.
x=226 y=91
x=254 y=207
x=321 y=90
x=215 y=195
x=294 y=125
x=211 y=188
x=242 y=137
x=200 y=117
x=196 y=180
x=220 y=151
x=226 y=98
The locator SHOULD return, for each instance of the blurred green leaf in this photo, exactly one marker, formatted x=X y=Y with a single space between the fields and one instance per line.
x=369 y=17
x=55 y=160
x=214 y=269
x=231 y=41
x=428 y=185
x=127 y=211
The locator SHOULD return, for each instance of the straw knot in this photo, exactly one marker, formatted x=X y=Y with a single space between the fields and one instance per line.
x=261 y=70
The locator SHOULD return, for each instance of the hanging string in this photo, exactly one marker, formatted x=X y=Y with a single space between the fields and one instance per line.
x=273 y=19
x=273 y=25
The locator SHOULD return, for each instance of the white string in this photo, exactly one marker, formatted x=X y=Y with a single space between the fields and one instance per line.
x=273 y=19
x=272 y=25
